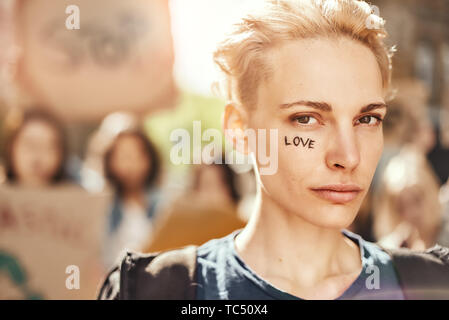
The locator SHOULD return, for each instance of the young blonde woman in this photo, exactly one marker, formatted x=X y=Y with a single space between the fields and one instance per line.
x=317 y=70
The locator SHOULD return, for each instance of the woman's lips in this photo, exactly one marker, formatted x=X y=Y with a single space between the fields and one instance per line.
x=338 y=193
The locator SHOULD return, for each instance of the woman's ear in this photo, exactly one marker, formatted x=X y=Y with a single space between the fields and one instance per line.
x=234 y=126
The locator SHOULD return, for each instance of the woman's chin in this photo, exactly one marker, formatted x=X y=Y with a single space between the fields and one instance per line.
x=331 y=217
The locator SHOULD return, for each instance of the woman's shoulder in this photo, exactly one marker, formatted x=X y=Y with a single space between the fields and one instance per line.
x=432 y=260
x=438 y=255
x=422 y=274
x=142 y=275
x=163 y=275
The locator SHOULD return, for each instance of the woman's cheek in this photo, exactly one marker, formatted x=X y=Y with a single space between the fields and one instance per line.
x=301 y=150
x=371 y=147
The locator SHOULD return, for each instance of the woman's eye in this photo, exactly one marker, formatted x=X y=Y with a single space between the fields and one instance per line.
x=306 y=120
x=370 y=120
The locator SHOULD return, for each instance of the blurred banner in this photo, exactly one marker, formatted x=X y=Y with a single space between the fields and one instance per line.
x=50 y=244
x=120 y=58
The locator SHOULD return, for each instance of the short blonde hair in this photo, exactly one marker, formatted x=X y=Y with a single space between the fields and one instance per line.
x=241 y=55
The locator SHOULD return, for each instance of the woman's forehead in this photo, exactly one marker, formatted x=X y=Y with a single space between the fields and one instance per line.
x=338 y=72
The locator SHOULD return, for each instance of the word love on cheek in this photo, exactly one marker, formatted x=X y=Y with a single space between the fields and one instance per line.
x=297 y=141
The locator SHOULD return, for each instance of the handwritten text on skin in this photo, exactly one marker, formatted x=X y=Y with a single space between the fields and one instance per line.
x=297 y=141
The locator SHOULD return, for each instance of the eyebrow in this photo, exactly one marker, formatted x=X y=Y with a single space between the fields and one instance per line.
x=325 y=107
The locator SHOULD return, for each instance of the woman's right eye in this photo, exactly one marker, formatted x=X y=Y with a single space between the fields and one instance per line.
x=306 y=120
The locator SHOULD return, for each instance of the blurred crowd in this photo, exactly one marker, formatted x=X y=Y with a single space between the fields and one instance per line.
x=146 y=213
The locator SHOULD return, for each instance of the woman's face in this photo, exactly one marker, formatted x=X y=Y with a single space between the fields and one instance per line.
x=36 y=153
x=129 y=162
x=325 y=97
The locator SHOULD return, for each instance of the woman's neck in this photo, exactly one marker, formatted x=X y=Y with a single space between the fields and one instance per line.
x=282 y=246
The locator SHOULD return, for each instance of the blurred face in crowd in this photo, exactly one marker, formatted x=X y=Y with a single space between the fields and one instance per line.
x=328 y=91
x=212 y=184
x=130 y=163
x=411 y=204
x=417 y=207
x=36 y=153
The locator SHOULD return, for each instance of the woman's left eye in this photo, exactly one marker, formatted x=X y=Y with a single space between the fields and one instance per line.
x=370 y=120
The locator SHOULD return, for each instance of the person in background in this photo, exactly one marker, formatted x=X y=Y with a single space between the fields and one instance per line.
x=407 y=211
x=35 y=148
x=91 y=175
x=132 y=166
x=407 y=123
x=439 y=155
x=207 y=211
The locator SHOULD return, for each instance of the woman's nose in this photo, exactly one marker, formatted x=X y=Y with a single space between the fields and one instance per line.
x=343 y=152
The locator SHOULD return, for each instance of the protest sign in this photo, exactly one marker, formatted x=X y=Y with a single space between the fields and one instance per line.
x=84 y=59
x=50 y=242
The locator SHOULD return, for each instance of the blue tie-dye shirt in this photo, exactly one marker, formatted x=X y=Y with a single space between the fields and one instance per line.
x=222 y=274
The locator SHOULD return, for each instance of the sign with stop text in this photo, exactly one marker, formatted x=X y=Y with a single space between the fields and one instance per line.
x=50 y=242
